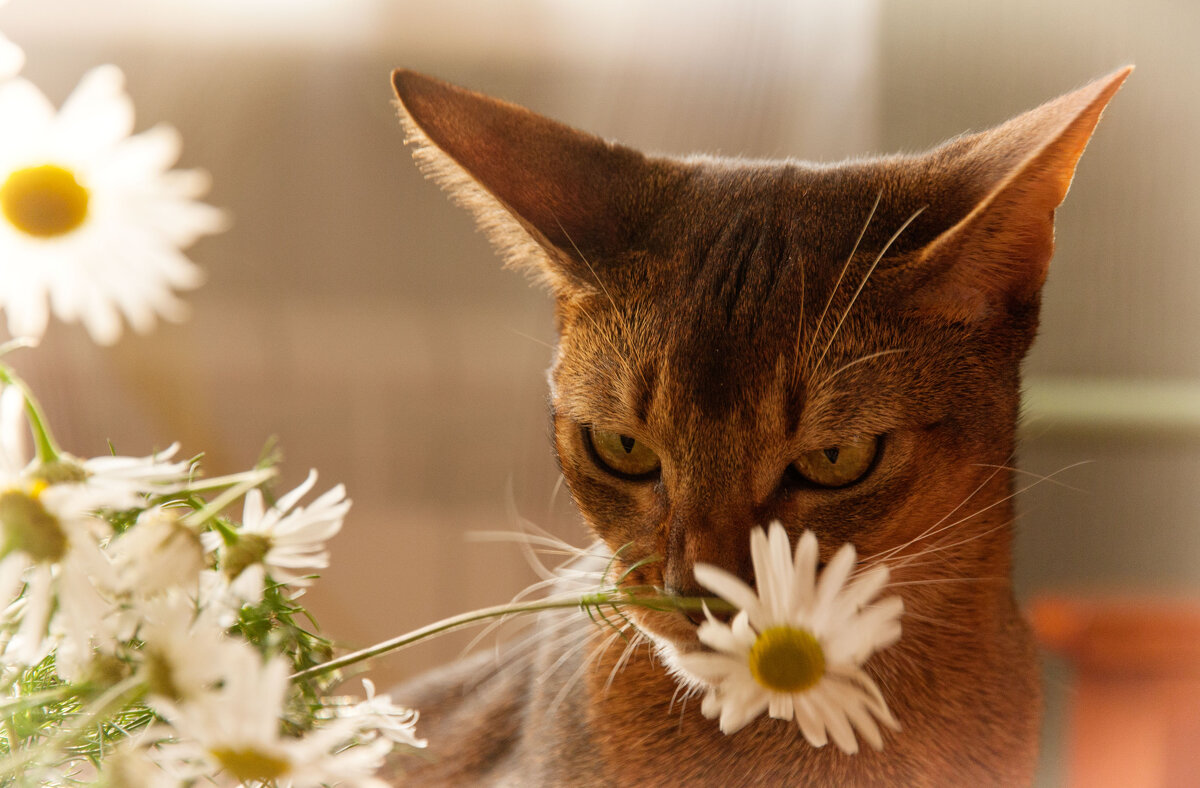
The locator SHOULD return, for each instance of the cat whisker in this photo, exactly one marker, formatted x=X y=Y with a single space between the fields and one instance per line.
x=559 y=485
x=941 y=622
x=584 y=665
x=900 y=547
x=837 y=285
x=632 y=645
x=862 y=359
x=944 y=580
x=914 y=560
x=532 y=338
x=865 y=279
x=1039 y=479
x=1042 y=477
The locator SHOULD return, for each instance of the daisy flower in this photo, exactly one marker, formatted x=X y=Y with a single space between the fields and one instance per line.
x=185 y=653
x=285 y=541
x=50 y=554
x=232 y=735
x=796 y=647
x=157 y=554
x=378 y=715
x=92 y=219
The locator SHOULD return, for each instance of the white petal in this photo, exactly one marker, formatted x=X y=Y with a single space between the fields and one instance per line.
x=708 y=667
x=805 y=570
x=740 y=708
x=829 y=584
x=834 y=717
x=810 y=722
x=290 y=499
x=12 y=58
x=97 y=114
x=716 y=635
x=728 y=587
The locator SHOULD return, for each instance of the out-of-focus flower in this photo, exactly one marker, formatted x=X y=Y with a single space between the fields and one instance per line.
x=92 y=220
x=232 y=735
x=157 y=554
x=185 y=652
x=797 y=646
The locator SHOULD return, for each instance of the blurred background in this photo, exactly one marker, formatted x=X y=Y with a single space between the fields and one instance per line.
x=353 y=313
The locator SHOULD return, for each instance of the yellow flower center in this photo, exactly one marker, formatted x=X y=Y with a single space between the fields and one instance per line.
x=248 y=550
x=785 y=659
x=44 y=201
x=160 y=675
x=28 y=527
x=250 y=764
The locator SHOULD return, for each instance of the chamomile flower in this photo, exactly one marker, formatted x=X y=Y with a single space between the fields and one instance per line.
x=92 y=219
x=378 y=715
x=232 y=735
x=50 y=542
x=51 y=550
x=284 y=541
x=796 y=647
x=157 y=554
x=185 y=652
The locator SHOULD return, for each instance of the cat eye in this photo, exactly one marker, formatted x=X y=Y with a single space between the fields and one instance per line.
x=838 y=466
x=622 y=455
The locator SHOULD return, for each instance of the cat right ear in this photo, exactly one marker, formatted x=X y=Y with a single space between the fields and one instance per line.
x=999 y=252
x=550 y=198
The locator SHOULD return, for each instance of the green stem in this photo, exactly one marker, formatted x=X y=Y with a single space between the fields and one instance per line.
x=47 y=449
x=597 y=599
x=251 y=481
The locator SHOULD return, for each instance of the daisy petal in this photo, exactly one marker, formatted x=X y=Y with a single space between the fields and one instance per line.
x=729 y=588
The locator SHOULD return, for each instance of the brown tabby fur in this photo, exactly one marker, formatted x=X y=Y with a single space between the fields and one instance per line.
x=732 y=315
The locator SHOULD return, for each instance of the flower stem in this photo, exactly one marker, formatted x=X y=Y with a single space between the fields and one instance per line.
x=47 y=449
x=251 y=480
x=597 y=599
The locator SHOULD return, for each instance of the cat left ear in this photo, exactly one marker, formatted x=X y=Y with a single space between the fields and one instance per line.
x=1000 y=251
x=551 y=198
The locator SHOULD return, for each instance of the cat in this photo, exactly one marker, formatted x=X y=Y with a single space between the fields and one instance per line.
x=837 y=347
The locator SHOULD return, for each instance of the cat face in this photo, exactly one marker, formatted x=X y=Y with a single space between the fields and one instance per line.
x=763 y=357
x=833 y=347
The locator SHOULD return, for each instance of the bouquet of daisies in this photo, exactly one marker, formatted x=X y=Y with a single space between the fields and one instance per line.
x=153 y=634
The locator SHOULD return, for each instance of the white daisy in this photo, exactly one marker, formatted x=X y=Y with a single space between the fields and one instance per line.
x=156 y=554
x=232 y=735
x=50 y=550
x=796 y=648
x=51 y=555
x=91 y=218
x=284 y=542
x=185 y=652
x=377 y=714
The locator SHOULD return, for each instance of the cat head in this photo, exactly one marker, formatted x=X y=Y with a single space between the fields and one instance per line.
x=836 y=347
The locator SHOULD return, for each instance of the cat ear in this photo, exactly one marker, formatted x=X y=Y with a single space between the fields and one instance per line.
x=550 y=198
x=999 y=252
